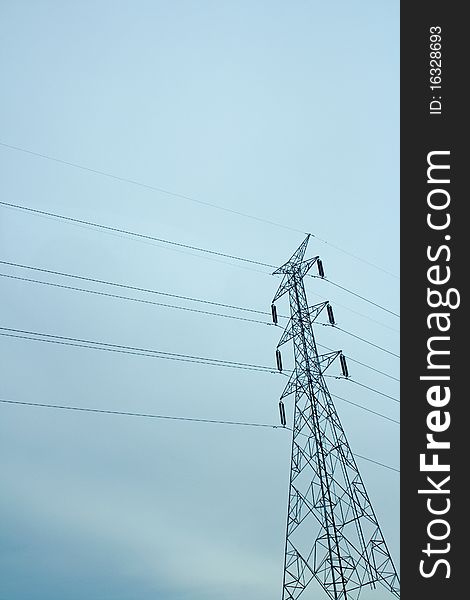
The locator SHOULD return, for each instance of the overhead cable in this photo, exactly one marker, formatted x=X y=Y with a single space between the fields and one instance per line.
x=125 y=349
x=141 y=300
x=358 y=337
x=172 y=243
x=342 y=287
x=364 y=386
x=165 y=305
x=121 y=348
x=131 y=233
x=132 y=287
x=137 y=414
x=166 y=417
x=192 y=199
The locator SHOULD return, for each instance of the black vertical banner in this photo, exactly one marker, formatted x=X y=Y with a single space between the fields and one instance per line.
x=434 y=253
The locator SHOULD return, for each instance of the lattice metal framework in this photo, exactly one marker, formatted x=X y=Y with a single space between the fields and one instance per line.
x=333 y=535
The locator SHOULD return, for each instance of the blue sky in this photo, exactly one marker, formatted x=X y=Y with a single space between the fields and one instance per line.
x=285 y=111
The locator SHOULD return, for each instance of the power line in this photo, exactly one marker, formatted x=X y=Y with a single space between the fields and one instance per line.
x=371 y=368
x=136 y=414
x=192 y=199
x=147 y=290
x=125 y=349
x=356 y=312
x=204 y=312
x=377 y=462
x=131 y=233
x=141 y=300
x=358 y=337
x=132 y=287
x=378 y=414
x=363 y=260
x=366 y=341
x=162 y=304
x=172 y=243
x=374 y=390
x=364 y=386
x=150 y=187
x=165 y=417
x=342 y=287
x=121 y=348
x=361 y=363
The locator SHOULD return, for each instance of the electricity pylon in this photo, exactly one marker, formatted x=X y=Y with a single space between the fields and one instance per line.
x=333 y=535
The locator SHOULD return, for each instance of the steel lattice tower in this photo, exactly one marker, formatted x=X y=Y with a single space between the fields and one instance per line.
x=333 y=535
